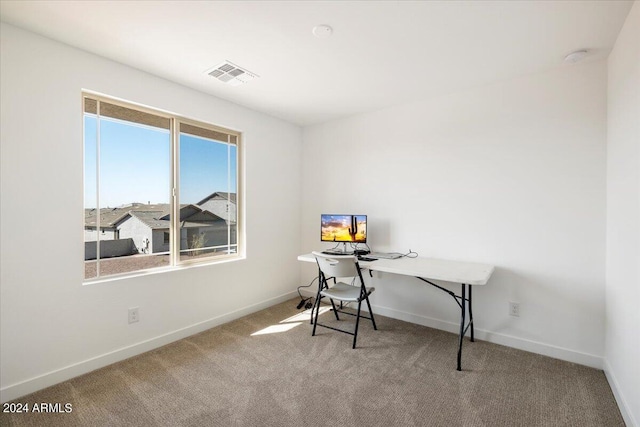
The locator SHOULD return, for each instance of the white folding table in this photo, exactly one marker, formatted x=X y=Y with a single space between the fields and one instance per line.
x=467 y=274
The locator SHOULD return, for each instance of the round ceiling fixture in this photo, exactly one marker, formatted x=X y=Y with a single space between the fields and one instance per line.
x=576 y=56
x=322 y=31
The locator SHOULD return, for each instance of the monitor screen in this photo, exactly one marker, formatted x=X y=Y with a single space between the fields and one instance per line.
x=343 y=228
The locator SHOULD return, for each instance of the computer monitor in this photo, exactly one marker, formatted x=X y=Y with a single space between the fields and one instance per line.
x=343 y=228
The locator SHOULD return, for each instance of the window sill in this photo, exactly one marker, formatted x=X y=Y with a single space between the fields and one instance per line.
x=161 y=270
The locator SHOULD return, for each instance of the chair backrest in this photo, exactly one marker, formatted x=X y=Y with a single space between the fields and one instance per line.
x=337 y=265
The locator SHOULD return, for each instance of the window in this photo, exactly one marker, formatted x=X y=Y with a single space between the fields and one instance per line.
x=159 y=190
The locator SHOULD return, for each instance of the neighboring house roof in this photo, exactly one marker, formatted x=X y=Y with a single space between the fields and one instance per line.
x=109 y=217
x=158 y=220
x=188 y=211
x=154 y=216
x=219 y=195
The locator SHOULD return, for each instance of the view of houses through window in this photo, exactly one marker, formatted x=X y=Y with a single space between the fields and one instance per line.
x=132 y=164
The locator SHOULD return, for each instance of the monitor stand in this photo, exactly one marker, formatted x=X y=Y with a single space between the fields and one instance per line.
x=336 y=251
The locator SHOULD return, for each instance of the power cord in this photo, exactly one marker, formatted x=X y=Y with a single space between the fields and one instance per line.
x=410 y=254
x=306 y=302
x=357 y=250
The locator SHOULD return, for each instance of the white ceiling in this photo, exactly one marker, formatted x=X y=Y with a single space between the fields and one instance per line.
x=382 y=53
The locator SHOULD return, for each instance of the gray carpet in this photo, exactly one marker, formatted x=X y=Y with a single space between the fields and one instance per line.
x=401 y=375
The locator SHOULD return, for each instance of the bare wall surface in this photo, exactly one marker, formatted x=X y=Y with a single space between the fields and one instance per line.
x=623 y=219
x=511 y=174
x=53 y=327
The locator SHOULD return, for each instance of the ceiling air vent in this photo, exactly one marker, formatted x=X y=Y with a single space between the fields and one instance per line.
x=231 y=74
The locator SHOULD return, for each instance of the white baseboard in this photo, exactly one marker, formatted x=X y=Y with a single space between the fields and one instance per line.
x=493 y=337
x=620 y=400
x=40 y=382
x=496 y=338
x=14 y=391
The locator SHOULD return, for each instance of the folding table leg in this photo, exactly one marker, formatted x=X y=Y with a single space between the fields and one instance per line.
x=462 y=307
x=470 y=314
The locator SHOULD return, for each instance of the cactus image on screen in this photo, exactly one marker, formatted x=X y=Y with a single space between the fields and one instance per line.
x=344 y=228
x=353 y=230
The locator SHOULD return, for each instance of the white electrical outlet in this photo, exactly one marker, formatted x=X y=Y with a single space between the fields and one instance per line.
x=134 y=314
x=514 y=309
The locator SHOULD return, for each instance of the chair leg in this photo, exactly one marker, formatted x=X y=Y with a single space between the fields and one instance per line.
x=335 y=310
x=316 y=305
x=355 y=334
x=371 y=313
x=315 y=301
x=315 y=322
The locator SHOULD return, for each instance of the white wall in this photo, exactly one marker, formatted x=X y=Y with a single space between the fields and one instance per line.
x=511 y=174
x=623 y=219
x=53 y=327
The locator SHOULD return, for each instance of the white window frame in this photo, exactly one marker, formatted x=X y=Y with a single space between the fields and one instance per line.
x=174 y=190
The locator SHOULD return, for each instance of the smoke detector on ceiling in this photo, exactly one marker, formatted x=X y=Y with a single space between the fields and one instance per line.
x=232 y=74
x=322 y=31
x=576 y=56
